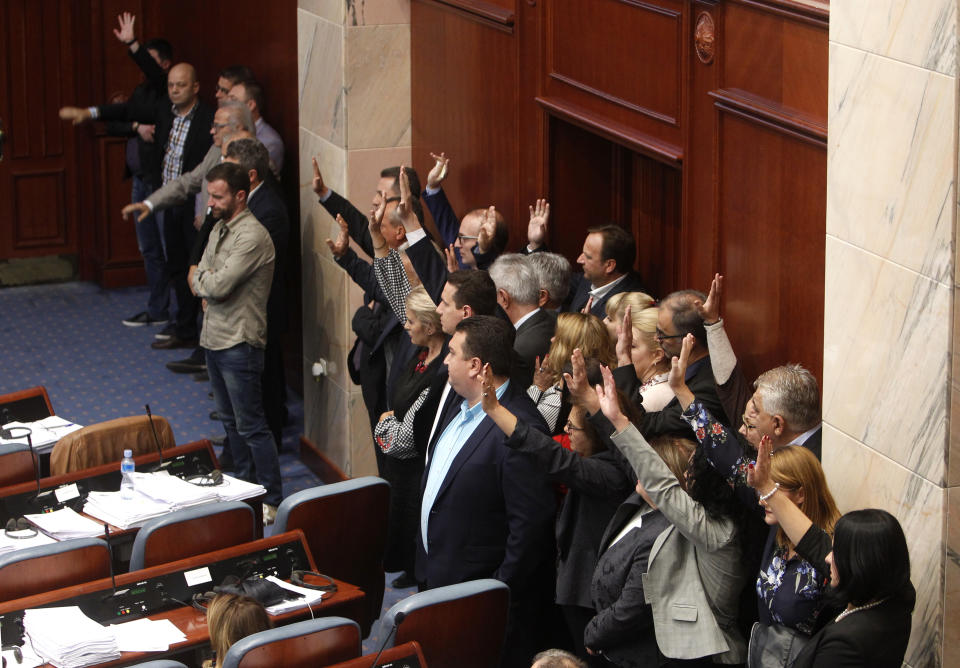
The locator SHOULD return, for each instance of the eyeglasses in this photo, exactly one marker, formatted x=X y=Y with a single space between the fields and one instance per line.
x=466 y=237
x=662 y=336
x=220 y=126
x=747 y=425
x=569 y=426
x=392 y=199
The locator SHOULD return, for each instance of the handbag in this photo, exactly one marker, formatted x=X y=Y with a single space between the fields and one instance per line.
x=774 y=646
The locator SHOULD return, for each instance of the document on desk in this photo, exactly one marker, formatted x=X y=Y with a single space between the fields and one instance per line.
x=109 y=507
x=146 y=635
x=66 y=523
x=9 y=543
x=180 y=494
x=234 y=489
x=67 y=638
x=308 y=598
x=44 y=433
x=28 y=658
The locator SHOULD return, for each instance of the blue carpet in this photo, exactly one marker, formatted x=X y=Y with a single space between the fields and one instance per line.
x=69 y=337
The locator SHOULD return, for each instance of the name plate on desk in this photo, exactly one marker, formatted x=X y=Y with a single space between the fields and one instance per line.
x=170 y=590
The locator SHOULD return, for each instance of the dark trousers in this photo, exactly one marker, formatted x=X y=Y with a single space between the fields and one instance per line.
x=179 y=235
x=273 y=386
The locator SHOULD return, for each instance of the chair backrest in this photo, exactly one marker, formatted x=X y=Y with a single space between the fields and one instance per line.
x=459 y=625
x=406 y=654
x=35 y=570
x=17 y=464
x=186 y=533
x=105 y=442
x=27 y=405
x=160 y=663
x=346 y=527
x=315 y=642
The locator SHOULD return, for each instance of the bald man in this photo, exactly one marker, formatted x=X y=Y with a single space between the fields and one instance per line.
x=183 y=125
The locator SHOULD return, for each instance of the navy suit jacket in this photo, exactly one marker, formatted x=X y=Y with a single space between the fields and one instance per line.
x=580 y=289
x=493 y=515
x=267 y=205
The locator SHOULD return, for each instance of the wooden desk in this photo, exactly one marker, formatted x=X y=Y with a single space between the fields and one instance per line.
x=347 y=601
x=27 y=405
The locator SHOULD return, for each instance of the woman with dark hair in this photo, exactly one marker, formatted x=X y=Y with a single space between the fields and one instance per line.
x=597 y=482
x=231 y=617
x=693 y=576
x=869 y=567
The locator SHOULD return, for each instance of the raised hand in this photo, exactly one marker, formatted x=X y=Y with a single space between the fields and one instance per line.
x=139 y=208
x=758 y=475
x=609 y=403
x=77 y=115
x=577 y=383
x=586 y=307
x=125 y=33
x=625 y=339
x=542 y=377
x=678 y=373
x=339 y=247
x=709 y=310
x=488 y=227
x=537 y=227
x=318 y=186
x=451 y=257
x=488 y=393
x=374 y=224
x=439 y=171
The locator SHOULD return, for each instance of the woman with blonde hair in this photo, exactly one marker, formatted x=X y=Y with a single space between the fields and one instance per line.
x=617 y=305
x=230 y=618
x=574 y=330
x=642 y=365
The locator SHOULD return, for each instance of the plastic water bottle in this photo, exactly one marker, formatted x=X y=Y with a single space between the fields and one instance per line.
x=126 y=468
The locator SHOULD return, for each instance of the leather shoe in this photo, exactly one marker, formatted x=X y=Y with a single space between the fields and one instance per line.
x=188 y=365
x=403 y=581
x=173 y=342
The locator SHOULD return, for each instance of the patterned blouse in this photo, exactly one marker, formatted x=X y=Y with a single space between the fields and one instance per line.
x=789 y=591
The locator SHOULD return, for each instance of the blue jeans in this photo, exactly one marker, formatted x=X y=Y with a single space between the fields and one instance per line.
x=235 y=378
x=150 y=241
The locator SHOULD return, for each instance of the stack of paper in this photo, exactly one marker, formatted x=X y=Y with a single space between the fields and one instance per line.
x=9 y=543
x=67 y=638
x=234 y=489
x=146 y=635
x=66 y=523
x=124 y=513
x=44 y=433
x=307 y=597
x=161 y=486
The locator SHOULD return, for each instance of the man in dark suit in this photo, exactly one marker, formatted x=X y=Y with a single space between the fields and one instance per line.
x=518 y=293
x=486 y=510
x=266 y=203
x=607 y=261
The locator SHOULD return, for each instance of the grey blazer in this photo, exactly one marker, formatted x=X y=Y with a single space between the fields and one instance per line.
x=186 y=185
x=693 y=578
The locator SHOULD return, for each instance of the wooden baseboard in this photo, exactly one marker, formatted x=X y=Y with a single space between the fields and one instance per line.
x=319 y=463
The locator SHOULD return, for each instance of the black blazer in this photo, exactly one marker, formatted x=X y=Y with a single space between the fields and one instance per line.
x=668 y=421
x=580 y=293
x=876 y=638
x=623 y=626
x=596 y=487
x=533 y=341
x=493 y=515
x=268 y=207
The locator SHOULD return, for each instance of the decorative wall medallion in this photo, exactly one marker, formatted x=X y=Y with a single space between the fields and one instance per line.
x=704 y=38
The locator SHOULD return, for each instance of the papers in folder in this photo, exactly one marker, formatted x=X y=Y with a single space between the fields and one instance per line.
x=65 y=637
x=307 y=598
x=66 y=523
x=9 y=544
x=157 y=494
x=44 y=433
x=146 y=635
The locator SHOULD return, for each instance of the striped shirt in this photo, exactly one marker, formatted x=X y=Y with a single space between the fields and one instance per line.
x=173 y=157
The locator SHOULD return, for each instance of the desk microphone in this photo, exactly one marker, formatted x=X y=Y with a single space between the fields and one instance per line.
x=113 y=577
x=156 y=439
x=7 y=419
x=398 y=620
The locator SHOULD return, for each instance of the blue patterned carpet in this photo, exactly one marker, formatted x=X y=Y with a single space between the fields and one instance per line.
x=69 y=337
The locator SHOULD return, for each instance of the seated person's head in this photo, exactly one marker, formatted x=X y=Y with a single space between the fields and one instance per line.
x=553 y=277
x=466 y=293
x=870 y=560
x=583 y=331
x=678 y=317
x=557 y=658
x=477 y=341
x=608 y=253
x=230 y=618
x=801 y=478
x=785 y=403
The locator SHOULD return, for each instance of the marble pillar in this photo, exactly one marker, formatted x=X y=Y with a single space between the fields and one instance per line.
x=354 y=88
x=890 y=376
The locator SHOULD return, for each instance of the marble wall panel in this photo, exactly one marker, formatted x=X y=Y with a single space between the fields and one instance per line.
x=326 y=418
x=886 y=360
x=363 y=169
x=953 y=450
x=920 y=33
x=859 y=477
x=951 y=608
x=377 y=60
x=329 y=10
x=891 y=160
x=316 y=223
x=377 y=12
x=321 y=78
